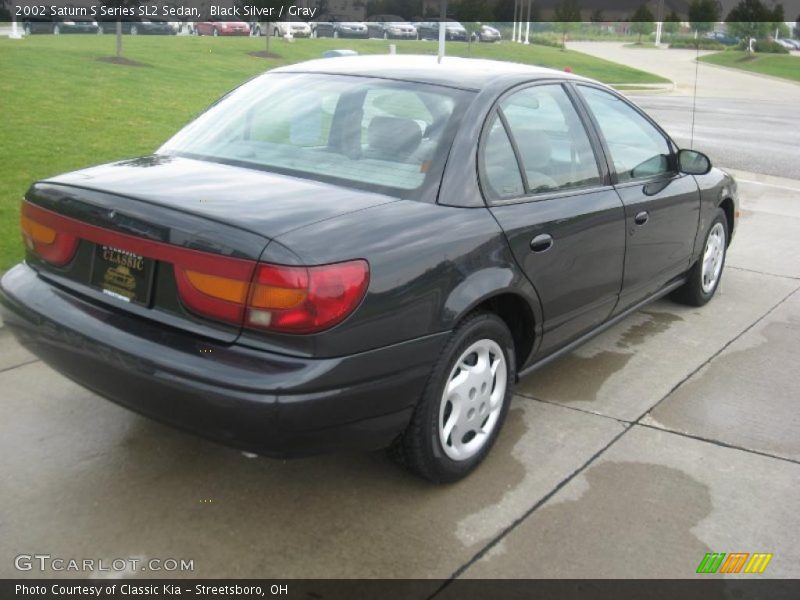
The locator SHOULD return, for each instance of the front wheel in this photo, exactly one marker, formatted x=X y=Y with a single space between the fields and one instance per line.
x=704 y=277
x=464 y=404
x=134 y=30
x=215 y=32
x=56 y=30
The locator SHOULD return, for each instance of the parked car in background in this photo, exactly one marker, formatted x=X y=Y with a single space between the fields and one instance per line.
x=722 y=38
x=788 y=44
x=341 y=29
x=57 y=26
x=365 y=252
x=793 y=42
x=298 y=29
x=429 y=30
x=146 y=27
x=390 y=27
x=216 y=28
x=487 y=33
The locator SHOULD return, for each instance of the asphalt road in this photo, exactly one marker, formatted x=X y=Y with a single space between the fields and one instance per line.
x=674 y=434
x=742 y=120
x=750 y=135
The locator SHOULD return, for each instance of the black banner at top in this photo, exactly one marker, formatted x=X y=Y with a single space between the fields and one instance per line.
x=487 y=11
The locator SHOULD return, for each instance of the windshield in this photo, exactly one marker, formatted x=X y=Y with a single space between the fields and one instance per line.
x=386 y=136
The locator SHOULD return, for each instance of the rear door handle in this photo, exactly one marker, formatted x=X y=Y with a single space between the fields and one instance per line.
x=641 y=218
x=542 y=242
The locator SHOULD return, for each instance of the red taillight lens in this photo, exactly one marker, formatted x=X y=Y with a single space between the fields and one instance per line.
x=279 y=298
x=56 y=247
x=305 y=299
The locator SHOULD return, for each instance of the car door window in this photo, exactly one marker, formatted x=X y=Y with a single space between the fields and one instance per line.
x=500 y=169
x=554 y=148
x=638 y=149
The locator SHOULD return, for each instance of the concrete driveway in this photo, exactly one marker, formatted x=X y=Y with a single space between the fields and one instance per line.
x=672 y=435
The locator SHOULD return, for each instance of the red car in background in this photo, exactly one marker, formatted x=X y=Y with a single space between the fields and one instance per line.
x=216 y=28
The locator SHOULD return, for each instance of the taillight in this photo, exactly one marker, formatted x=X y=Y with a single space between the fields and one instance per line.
x=279 y=298
x=56 y=247
x=305 y=299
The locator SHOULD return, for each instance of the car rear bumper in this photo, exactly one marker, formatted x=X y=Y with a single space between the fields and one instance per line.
x=268 y=403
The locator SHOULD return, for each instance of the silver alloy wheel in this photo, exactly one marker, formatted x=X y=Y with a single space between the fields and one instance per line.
x=134 y=30
x=472 y=399
x=713 y=257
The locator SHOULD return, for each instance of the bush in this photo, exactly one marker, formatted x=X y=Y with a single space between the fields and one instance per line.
x=769 y=47
x=546 y=40
x=702 y=43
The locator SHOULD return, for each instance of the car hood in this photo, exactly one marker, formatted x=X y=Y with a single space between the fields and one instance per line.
x=268 y=204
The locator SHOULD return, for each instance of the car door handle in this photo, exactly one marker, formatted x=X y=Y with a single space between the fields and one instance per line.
x=542 y=243
x=641 y=218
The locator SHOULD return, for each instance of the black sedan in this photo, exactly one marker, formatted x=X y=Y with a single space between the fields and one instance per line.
x=144 y=27
x=59 y=26
x=341 y=29
x=365 y=252
x=453 y=30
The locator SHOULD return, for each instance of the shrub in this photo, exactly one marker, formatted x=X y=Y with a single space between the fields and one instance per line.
x=769 y=47
x=702 y=43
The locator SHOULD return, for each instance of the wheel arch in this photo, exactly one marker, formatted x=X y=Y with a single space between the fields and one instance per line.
x=509 y=296
x=727 y=206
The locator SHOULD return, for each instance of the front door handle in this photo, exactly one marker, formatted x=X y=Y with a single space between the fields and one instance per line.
x=542 y=242
x=641 y=218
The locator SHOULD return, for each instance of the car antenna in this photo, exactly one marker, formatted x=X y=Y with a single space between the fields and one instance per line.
x=694 y=94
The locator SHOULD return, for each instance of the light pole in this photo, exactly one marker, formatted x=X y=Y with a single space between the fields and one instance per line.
x=514 y=25
x=659 y=22
x=528 y=25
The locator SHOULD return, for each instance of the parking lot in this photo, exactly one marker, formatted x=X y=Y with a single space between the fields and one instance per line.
x=673 y=434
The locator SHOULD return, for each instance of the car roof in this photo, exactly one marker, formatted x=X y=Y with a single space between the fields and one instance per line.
x=464 y=73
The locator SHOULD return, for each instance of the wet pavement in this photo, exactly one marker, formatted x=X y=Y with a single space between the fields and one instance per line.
x=673 y=434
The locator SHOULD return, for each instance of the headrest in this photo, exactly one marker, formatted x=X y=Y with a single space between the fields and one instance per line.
x=535 y=147
x=394 y=136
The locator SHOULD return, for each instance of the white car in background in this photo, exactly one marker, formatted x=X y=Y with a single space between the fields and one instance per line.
x=282 y=28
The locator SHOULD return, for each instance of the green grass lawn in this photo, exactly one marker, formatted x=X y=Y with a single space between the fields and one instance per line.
x=63 y=109
x=777 y=65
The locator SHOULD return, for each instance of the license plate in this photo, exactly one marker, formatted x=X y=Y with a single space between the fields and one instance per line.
x=122 y=274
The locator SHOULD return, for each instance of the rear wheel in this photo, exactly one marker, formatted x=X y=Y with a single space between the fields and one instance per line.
x=56 y=30
x=464 y=404
x=215 y=32
x=134 y=30
x=705 y=275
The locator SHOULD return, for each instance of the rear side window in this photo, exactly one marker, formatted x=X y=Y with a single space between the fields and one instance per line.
x=638 y=149
x=554 y=147
x=500 y=168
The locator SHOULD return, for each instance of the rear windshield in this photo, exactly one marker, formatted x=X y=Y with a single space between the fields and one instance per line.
x=386 y=136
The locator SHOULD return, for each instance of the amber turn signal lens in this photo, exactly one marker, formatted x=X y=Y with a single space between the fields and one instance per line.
x=276 y=298
x=231 y=290
x=36 y=231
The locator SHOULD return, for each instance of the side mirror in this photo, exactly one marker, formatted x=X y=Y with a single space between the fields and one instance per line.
x=692 y=162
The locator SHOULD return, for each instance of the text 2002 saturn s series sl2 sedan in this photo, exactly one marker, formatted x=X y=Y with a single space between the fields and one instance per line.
x=365 y=252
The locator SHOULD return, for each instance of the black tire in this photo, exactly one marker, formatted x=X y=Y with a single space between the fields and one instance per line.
x=692 y=292
x=420 y=448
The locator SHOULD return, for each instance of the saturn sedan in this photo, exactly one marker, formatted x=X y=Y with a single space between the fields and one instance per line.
x=365 y=252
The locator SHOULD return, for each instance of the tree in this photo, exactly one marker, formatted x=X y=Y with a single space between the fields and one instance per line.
x=274 y=5
x=567 y=14
x=749 y=19
x=642 y=21
x=703 y=14
x=597 y=16
x=778 y=21
x=120 y=7
x=672 y=23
